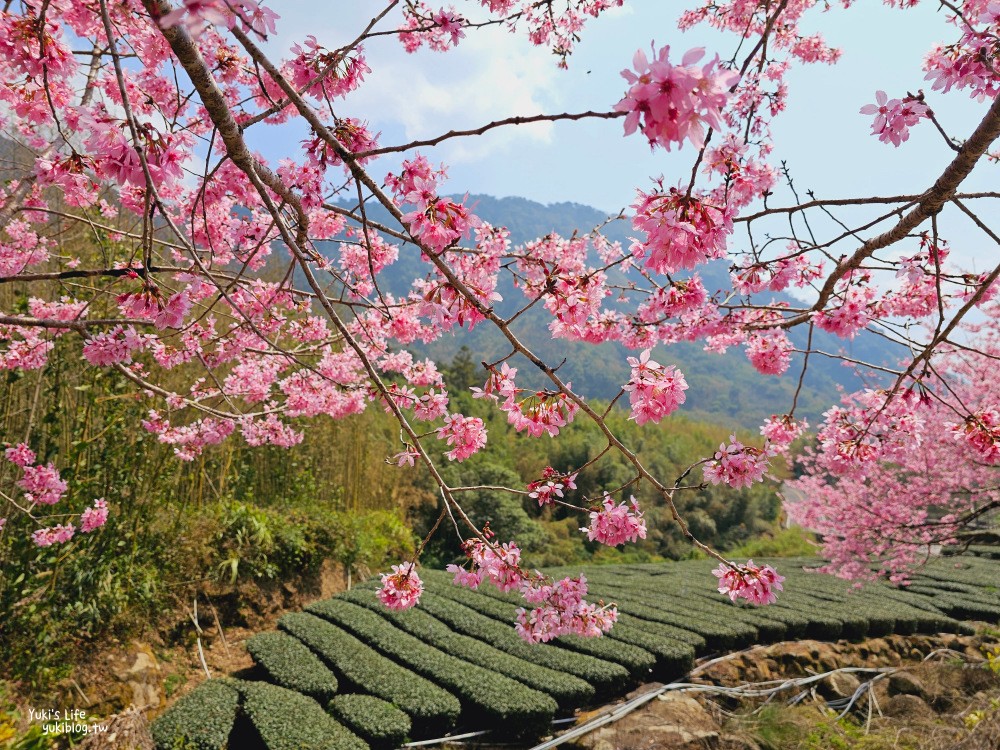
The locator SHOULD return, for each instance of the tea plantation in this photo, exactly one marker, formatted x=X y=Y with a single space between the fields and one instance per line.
x=347 y=673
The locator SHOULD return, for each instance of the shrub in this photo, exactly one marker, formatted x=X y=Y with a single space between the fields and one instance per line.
x=289 y=663
x=607 y=678
x=720 y=633
x=381 y=724
x=627 y=615
x=287 y=720
x=201 y=720
x=638 y=662
x=673 y=658
x=505 y=703
x=430 y=708
x=567 y=690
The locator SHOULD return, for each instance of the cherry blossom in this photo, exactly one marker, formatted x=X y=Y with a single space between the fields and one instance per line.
x=894 y=117
x=238 y=292
x=616 y=524
x=654 y=391
x=94 y=517
x=50 y=535
x=756 y=584
x=402 y=588
x=671 y=103
x=466 y=434
x=737 y=465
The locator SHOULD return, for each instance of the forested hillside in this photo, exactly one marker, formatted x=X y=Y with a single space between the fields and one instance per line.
x=725 y=388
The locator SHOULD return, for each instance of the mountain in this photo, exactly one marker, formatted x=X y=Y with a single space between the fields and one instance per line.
x=723 y=388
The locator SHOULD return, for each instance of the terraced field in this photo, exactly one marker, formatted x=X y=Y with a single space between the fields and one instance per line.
x=347 y=673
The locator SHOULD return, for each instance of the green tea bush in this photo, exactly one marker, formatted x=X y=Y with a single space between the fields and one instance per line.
x=381 y=724
x=607 y=678
x=287 y=720
x=289 y=663
x=627 y=615
x=201 y=720
x=430 y=708
x=673 y=658
x=488 y=699
x=638 y=662
x=568 y=691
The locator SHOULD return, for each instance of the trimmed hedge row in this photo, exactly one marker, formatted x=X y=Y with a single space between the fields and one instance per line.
x=607 y=678
x=287 y=720
x=432 y=709
x=567 y=690
x=720 y=633
x=673 y=658
x=201 y=720
x=380 y=724
x=637 y=661
x=968 y=609
x=289 y=663
x=631 y=616
x=488 y=699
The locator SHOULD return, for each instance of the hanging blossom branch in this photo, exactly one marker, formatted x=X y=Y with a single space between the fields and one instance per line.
x=258 y=354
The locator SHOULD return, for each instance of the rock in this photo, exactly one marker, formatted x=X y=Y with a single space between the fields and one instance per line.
x=907 y=706
x=141 y=676
x=672 y=721
x=127 y=730
x=904 y=683
x=840 y=685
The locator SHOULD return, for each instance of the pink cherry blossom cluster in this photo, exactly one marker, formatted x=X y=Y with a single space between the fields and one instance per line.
x=466 y=435
x=562 y=611
x=744 y=177
x=616 y=524
x=781 y=431
x=25 y=248
x=94 y=517
x=654 y=391
x=324 y=73
x=754 y=276
x=51 y=535
x=755 y=583
x=497 y=563
x=436 y=222
x=550 y=486
x=538 y=413
x=671 y=103
x=150 y=305
x=895 y=117
x=440 y=29
x=363 y=260
x=870 y=426
x=559 y=608
x=115 y=346
x=682 y=230
x=969 y=64
x=769 y=351
x=546 y=24
x=851 y=311
x=679 y=297
x=42 y=485
x=982 y=432
x=401 y=589
x=738 y=465
x=189 y=440
x=197 y=15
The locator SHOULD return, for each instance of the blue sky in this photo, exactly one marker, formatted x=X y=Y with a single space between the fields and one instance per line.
x=494 y=74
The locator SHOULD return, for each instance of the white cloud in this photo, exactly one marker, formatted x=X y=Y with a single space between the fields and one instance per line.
x=491 y=75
